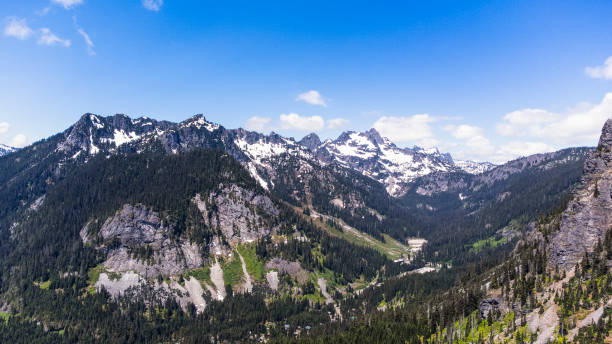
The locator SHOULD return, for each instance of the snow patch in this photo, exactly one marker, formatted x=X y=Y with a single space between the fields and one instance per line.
x=120 y=137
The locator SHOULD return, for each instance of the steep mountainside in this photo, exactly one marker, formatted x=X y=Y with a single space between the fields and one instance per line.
x=588 y=215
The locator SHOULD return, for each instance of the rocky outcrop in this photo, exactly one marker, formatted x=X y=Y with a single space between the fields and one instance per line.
x=292 y=268
x=137 y=229
x=589 y=214
x=487 y=306
x=311 y=141
x=239 y=215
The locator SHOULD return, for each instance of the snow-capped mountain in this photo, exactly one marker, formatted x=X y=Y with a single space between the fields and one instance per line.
x=4 y=149
x=474 y=167
x=380 y=159
x=366 y=152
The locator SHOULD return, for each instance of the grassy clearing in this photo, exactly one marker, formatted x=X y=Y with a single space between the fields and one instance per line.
x=254 y=266
x=232 y=270
x=316 y=297
x=94 y=275
x=5 y=316
x=489 y=242
x=201 y=274
x=392 y=248
x=44 y=285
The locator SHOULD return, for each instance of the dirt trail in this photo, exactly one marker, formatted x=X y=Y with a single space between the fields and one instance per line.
x=248 y=284
x=216 y=275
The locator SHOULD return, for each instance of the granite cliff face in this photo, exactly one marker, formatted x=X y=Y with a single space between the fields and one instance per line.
x=589 y=214
x=138 y=228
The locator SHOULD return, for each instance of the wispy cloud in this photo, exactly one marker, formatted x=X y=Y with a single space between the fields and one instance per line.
x=87 y=40
x=256 y=123
x=312 y=97
x=67 y=4
x=578 y=126
x=337 y=123
x=48 y=38
x=17 y=28
x=405 y=129
x=43 y=12
x=4 y=127
x=152 y=5
x=19 y=140
x=601 y=72
x=293 y=121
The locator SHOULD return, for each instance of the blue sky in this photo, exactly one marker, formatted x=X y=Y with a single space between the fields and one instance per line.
x=484 y=80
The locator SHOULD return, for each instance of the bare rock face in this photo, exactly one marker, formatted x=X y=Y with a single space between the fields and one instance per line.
x=239 y=215
x=138 y=228
x=292 y=268
x=487 y=306
x=589 y=214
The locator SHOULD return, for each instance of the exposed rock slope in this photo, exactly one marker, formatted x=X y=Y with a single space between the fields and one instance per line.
x=589 y=213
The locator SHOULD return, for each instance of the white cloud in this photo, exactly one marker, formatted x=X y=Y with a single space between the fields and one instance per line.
x=312 y=97
x=19 y=140
x=17 y=28
x=67 y=4
x=601 y=72
x=428 y=142
x=405 y=129
x=88 y=41
x=578 y=126
x=48 y=38
x=256 y=123
x=293 y=121
x=475 y=146
x=336 y=123
x=517 y=149
x=4 y=127
x=463 y=131
x=152 y=5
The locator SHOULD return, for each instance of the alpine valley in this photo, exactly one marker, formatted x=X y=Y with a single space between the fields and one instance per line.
x=137 y=230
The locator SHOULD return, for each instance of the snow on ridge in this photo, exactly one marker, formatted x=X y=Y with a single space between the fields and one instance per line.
x=120 y=137
x=199 y=122
x=260 y=150
x=474 y=167
x=96 y=121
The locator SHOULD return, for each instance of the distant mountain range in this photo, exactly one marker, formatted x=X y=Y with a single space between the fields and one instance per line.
x=367 y=152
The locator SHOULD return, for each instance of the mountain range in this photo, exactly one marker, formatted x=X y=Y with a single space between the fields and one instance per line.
x=366 y=152
x=153 y=231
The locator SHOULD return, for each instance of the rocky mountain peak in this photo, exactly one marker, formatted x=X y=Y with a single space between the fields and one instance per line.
x=310 y=141
x=374 y=136
x=605 y=141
